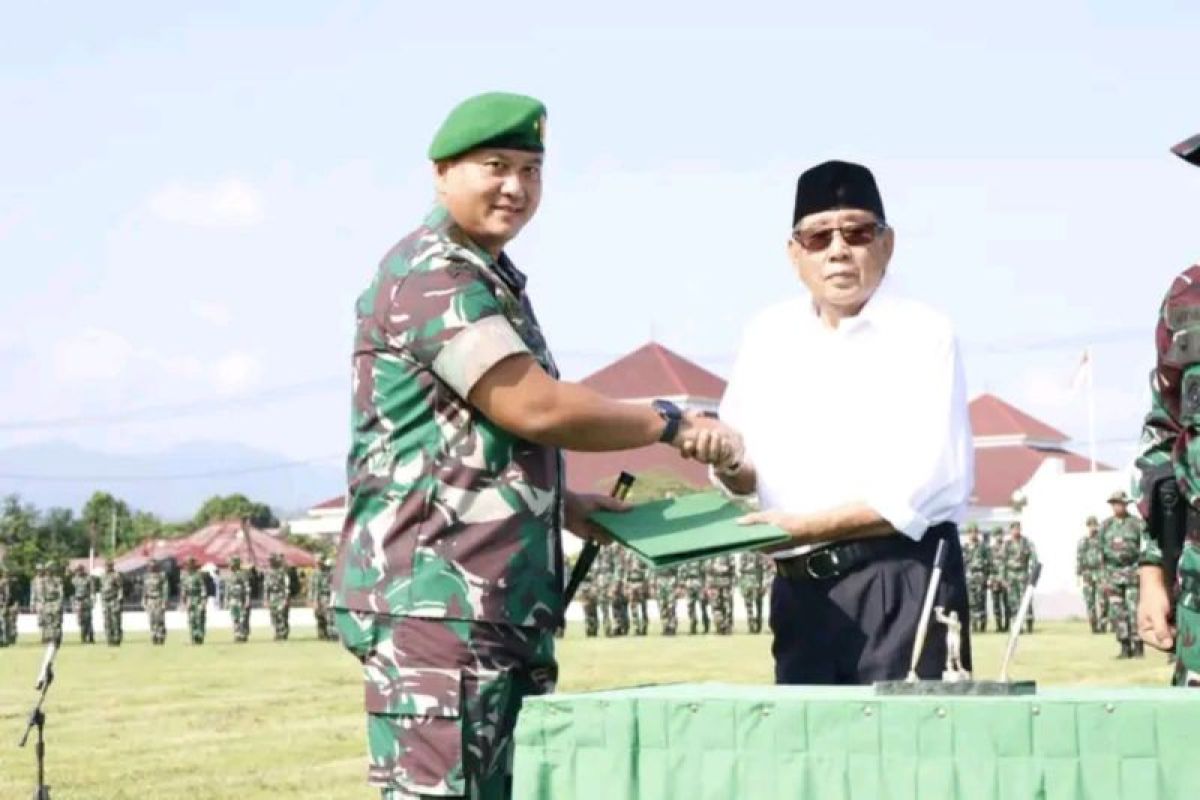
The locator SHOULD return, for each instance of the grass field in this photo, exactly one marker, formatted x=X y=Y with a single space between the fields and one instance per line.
x=270 y=720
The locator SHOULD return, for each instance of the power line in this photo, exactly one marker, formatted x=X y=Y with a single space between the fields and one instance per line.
x=183 y=476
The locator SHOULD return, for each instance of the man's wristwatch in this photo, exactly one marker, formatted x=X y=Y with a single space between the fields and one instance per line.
x=672 y=415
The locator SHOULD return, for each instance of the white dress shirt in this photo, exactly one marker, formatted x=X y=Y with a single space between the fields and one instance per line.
x=873 y=411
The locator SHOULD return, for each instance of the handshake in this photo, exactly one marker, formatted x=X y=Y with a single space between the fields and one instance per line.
x=706 y=439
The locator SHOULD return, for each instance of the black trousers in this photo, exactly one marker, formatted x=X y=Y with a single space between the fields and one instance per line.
x=861 y=627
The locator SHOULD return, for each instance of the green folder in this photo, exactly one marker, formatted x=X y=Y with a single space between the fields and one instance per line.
x=689 y=528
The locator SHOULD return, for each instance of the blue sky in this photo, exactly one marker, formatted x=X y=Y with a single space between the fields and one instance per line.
x=192 y=199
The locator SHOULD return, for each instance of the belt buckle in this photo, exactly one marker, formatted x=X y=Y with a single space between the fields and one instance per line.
x=813 y=566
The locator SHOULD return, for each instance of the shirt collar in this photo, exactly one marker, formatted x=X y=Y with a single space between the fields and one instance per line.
x=439 y=221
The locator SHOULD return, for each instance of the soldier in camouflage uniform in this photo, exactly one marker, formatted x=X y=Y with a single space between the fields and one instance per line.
x=1168 y=617
x=977 y=560
x=194 y=596
x=996 y=587
x=637 y=583
x=449 y=579
x=154 y=601
x=722 y=574
x=589 y=599
x=6 y=600
x=237 y=599
x=602 y=573
x=112 y=597
x=319 y=593
x=618 y=592
x=53 y=603
x=666 y=587
x=754 y=572
x=1120 y=543
x=693 y=576
x=1019 y=557
x=1089 y=568
x=278 y=597
x=83 y=601
x=37 y=587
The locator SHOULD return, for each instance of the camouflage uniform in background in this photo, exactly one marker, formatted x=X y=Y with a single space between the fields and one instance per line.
x=449 y=577
x=1019 y=557
x=637 y=579
x=83 y=601
x=602 y=574
x=977 y=560
x=693 y=576
x=996 y=586
x=666 y=586
x=237 y=599
x=154 y=601
x=7 y=600
x=193 y=595
x=722 y=573
x=275 y=588
x=1120 y=544
x=754 y=572
x=1089 y=567
x=319 y=591
x=112 y=598
x=618 y=592
x=590 y=602
x=37 y=587
x=53 y=601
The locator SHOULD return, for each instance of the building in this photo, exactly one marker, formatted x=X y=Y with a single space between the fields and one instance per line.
x=322 y=521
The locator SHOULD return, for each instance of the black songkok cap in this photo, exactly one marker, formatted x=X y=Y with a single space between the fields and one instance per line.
x=836 y=184
x=1189 y=150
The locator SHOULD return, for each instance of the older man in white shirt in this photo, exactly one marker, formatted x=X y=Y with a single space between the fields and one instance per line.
x=853 y=407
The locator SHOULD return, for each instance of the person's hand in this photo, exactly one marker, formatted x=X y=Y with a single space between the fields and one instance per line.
x=578 y=507
x=794 y=525
x=708 y=440
x=1154 y=611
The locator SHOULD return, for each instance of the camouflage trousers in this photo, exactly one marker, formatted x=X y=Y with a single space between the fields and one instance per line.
x=721 y=598
x=442 y=698
x=605 y=612
x=10 y=624
x=1122 y=610
x=112 y=624
x=666 y=610
x=240 y=616
x=197 y=617
x=83 y=616
x=1096 y=603
x=1187 y=618
x=323 y=612
x=279 y=621
x=977 y=601
x=752 y=598
x=620 y=613
x=1000 y=609
x=50 y=620
x=696 y=598
x=4 y=627
x=639 y=610
x=156 y=612
x=591 y=611
x=1015 y=590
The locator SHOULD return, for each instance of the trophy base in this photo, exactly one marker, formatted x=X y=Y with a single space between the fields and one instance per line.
x=957 y=686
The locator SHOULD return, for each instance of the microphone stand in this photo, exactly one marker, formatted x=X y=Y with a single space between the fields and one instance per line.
x=37 y=718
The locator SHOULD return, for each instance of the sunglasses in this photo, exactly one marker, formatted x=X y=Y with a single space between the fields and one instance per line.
x=855 y=234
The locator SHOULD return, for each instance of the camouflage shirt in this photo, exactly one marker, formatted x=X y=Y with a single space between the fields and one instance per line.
x=448 y=514
x=1120 y=542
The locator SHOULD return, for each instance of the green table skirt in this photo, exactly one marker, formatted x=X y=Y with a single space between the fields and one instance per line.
x=718 y=742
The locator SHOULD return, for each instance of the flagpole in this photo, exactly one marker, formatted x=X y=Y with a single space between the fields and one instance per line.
x=1091 y=400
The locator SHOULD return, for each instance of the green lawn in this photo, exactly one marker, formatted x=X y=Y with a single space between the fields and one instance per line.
x=268 y=720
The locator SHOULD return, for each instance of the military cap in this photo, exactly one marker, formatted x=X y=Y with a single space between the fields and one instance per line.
x=191 y=562
x=235 y=562
x=971 y=527
x=1189 y=150
x=1092 y=521
x=494 y=119
x=833 y=185
x=1118 y=497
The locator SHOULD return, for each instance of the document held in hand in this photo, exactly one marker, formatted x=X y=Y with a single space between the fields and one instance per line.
x=687 y=528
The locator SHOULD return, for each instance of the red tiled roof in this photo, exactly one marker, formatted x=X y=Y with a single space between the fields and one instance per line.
x=331 y=503
x=654 y=371
x=595 y=472
x=1000 y=471
x=217 y=544
x=991 y=416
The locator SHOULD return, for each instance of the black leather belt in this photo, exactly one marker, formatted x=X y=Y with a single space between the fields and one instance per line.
x=839 y=559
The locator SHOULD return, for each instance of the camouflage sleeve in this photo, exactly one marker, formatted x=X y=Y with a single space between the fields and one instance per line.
x=449 y=319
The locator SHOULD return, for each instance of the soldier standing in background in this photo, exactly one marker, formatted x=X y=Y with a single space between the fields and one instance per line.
x=602 y=572
x=753 y=570
x=154 y=601
x=637 y=579
x=666 y=587
x=618 y=592
x=37 y=588
x=1089 y=564
x=1019 y=557
x=722 y=573
x=977 y=559
x=320 y=590
x=6 y=600
x=237 y=599
x=53 y=599
x=112 y=597
x=1120 y=544
x=194 y=596
x=995 y=550
x=277 y=596
x=692 y=575
x=83 y=601
x=590 y=601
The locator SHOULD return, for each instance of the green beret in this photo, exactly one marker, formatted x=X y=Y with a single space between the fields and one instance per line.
x=495 y=119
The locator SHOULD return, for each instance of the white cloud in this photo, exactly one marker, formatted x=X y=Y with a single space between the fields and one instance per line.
x=93 y=355
x=229 y=203
x=236 y=372
x=215 y=314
